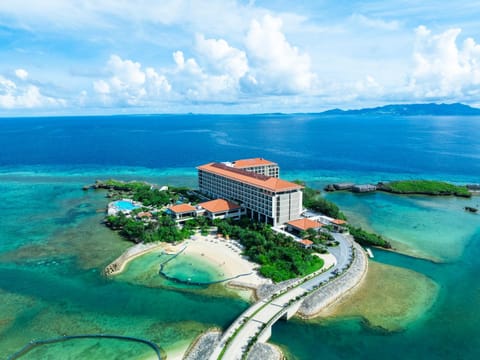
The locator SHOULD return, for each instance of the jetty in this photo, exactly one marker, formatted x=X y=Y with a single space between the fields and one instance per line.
x=364 y=188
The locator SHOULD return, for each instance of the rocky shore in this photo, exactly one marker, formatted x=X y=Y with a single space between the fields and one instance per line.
x=117 y=266
x=267 y=290
x=265 y=351
x=203 y=346
x=338 y=288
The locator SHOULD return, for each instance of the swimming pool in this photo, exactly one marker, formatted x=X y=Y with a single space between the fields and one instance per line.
x=125 y=205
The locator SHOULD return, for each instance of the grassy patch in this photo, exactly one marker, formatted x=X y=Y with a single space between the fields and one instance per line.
x=427 y=187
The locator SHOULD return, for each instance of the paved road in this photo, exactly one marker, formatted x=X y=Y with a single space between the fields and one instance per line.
x=264 y=311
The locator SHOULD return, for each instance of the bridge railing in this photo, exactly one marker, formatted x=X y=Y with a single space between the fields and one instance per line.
x=240 y=322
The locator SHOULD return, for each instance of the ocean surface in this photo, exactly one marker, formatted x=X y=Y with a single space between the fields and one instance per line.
x=53 y=246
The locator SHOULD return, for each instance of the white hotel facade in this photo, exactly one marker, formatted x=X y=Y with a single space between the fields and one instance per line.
x=254 y=184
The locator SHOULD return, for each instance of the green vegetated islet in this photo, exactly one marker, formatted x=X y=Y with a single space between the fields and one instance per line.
x=424 y=187
x=279 y=257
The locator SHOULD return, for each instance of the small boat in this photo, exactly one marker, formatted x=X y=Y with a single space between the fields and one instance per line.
x=370 y=253
x=471 y=209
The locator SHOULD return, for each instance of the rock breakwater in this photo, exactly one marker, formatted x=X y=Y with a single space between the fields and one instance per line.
x=338 y=288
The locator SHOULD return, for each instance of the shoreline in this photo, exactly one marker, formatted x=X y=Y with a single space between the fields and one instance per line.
x=226 y=256
x=118 y=265
x=406 y=253
x=338 y=289
x=223 y=254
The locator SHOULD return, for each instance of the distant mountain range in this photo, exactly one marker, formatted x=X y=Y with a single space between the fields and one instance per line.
x=456 y=109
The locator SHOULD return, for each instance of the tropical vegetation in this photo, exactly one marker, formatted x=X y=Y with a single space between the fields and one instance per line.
x=279 y=257
x=425 y=187
x=313 y=200
x=366 y=238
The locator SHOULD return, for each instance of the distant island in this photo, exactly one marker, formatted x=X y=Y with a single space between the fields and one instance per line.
x=432 y=109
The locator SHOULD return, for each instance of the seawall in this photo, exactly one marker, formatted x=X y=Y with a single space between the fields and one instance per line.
x=338 y=288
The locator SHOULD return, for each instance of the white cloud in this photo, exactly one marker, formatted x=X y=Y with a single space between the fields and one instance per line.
x=278 y=67
x=130 y=84
x=442 y=68
x=25 y=96
x=22 y=74
x=375 y=23
x=213 y=75
x=217 y=72
x=221 y=57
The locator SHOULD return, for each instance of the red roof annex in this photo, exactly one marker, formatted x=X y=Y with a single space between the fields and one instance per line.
x=219 y=205
x=181 y=208
x=305 y=224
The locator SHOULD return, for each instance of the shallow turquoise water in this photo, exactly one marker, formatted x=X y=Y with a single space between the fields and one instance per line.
x=449 y=330
x=145 y=271
x=426 y=226
x=437 y=228
x=53 y=248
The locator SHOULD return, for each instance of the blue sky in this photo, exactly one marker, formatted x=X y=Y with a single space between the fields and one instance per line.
x=226 y=56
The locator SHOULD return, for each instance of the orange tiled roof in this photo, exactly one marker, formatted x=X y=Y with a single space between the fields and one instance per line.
x=181 y=208
x=257 y=180
x=305 y=224
x=244 y=163
x=338 y=221
x=306 y=242
x=144 y=214
x=219 y=205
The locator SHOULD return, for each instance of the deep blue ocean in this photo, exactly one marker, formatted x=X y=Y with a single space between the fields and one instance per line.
x=435 y=146
x=53 y=246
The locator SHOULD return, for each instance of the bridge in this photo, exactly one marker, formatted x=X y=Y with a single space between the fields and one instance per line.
x=255 y=324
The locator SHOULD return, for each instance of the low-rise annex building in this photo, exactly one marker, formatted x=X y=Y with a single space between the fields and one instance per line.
x=299 y=225
x=182 y=212
x=220 y=209
x=265 y=198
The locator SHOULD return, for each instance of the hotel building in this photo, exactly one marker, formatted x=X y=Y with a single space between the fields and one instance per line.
x=253 y=184
x=258 y=166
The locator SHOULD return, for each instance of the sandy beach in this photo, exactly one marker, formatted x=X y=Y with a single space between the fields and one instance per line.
x=226 y=255
x=223 y=254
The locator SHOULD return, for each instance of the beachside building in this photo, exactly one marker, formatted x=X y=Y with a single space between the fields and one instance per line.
x=182 y=212
x=264 y=198
x=298 y=226
x=220 y=209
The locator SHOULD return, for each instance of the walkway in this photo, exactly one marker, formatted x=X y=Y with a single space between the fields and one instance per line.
x=256 y=322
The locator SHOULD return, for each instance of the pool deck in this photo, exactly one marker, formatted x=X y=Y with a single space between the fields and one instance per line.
x=114 y=208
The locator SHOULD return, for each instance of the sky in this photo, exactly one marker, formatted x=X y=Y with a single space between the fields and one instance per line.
x=227 y=56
